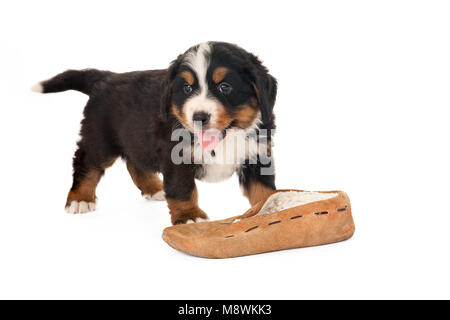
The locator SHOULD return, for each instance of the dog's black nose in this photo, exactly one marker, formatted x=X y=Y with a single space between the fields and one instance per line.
x=201 y=117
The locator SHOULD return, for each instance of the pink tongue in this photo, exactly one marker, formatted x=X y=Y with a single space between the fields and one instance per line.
x=209 y=139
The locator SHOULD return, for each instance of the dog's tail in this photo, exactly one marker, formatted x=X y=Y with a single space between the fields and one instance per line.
x=80 y=80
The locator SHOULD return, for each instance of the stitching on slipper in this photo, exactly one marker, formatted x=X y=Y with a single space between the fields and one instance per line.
x=252 y=228
x=291 y=218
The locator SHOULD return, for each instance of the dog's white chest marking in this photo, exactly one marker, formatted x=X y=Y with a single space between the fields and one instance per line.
x=228 y=156
x=217 y=172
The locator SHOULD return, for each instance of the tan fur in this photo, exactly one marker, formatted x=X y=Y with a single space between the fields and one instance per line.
x=183 y=210
x=246 y=116
x=219 y=74
x=257 y=192
x=188 y=77
x=85 y=190
x=178 y=115
x=223 y=119
x=148 y=182
x=258 y=96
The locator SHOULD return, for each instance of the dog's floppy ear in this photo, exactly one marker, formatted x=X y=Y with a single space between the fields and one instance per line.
x=166 y=88
x=265 y=87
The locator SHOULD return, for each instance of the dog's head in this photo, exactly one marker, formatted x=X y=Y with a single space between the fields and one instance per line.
x=220 y=86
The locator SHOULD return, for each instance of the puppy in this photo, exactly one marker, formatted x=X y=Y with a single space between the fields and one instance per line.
x=213 y=87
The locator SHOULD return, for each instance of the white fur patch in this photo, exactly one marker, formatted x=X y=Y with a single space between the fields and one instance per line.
x=201 y=103
x=289 y=199
x=159 y=196
x=198 y=61
x=229 y=154
x=37 y=88
x=196 y=221
x=80 y=207
x=217 y=172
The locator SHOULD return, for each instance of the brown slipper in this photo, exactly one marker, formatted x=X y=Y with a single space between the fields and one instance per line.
x=286 y=219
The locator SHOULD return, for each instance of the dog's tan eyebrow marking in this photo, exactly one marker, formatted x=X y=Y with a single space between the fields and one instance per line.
x=219 y=74
x=188 y=77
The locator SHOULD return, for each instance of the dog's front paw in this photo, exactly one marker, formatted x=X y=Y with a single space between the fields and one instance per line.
x=158 y=196
x=80 y=207
x=197 y=220
x=190 y=216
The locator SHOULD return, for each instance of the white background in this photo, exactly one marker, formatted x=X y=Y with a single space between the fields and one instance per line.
x=363 y=106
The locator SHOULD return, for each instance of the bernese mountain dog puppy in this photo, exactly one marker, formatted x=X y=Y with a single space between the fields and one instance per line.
x=134 y=116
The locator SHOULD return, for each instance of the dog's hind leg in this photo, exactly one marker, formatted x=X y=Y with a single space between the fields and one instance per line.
x=148 y=182
x=86 y=175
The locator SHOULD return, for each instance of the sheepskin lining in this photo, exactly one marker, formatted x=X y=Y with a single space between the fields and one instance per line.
x=289 y=199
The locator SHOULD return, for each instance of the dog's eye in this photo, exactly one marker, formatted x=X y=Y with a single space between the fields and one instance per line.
x=187 y=88
x=224 y=88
